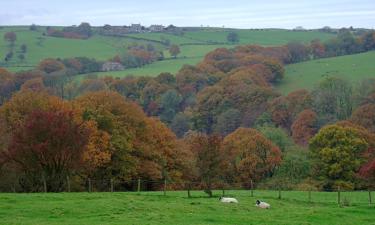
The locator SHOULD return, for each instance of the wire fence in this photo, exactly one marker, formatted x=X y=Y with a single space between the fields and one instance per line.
x=197 y=189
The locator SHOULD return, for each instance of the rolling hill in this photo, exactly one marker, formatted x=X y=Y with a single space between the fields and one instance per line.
x=307 y=74
x=194 y=45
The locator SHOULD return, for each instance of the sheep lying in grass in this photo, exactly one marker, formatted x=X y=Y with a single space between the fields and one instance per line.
x=228 y=200
x=262 y=205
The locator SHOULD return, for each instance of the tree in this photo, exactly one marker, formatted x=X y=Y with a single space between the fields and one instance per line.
x=208 y=158
x=304 y=127
x=180 y=124
x=33 y=27
x=50 y=65
x=10 y=37
x=23 y=48
x=174 y=50
x=317 y=49
x=336 y=153
x=49 y=145
x=365 y=116
x=84 y=29
x=7 y=85
x=277 y=136
x=228 y=121
x=298 y=52
x=169 y=102
x=332 y=99
x=8 y=56
x=250 y=155
x=233 y=37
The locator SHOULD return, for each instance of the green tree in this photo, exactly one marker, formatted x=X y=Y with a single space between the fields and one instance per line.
x=332 y=99
x=336 y=155
x=232 y=37
x=277 y=136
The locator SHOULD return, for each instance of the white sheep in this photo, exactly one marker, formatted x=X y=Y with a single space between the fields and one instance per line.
x=262 y=205
x=228 y=200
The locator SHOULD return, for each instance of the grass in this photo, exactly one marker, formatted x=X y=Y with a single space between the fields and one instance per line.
x=176 y=208
x=307 y=74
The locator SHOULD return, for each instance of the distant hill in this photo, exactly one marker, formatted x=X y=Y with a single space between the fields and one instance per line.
x=307 y=74
x=194 y=45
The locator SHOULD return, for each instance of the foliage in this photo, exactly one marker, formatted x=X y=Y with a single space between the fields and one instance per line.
x=277 y=136
x=250 y=155
x=50 y=65
x=336 y=153
x=332 y=99
x=232 y=37
x=304 y=127
x=209 y=158
x=174 y=50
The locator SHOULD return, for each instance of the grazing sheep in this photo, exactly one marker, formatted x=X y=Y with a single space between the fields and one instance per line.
x=228 y=200
x=262 y=205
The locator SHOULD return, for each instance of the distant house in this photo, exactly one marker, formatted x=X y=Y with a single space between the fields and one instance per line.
x=136 y=28
x=112 y=66
x=156 y=28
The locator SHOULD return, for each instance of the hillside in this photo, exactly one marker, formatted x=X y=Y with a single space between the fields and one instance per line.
x=307 y=74
x=194 y=45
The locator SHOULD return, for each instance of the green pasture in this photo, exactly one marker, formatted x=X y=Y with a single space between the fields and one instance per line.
x=177 y=208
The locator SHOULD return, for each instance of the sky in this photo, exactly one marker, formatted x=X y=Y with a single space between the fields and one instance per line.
x=214 y=13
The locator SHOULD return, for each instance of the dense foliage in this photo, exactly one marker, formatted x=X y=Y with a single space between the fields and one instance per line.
x=232 y=124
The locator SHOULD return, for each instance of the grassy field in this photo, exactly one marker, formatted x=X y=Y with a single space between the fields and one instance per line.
x=194 y=45
x=307 y=74
x=176 y=208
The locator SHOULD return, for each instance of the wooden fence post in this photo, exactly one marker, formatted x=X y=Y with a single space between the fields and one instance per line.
x=44 y=183
x=279 y=197
x=338 y=195
x=165 y=187
x=68 y=183
x=111 y=184
x=369 y=197
x=139 y=186
x=188 y=189
x=251 y=188
x=89 y=184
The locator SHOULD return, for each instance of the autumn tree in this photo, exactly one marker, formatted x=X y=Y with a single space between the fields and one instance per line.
x=298 y=51
x=123 y=121
x=250 y=155
x=365 y=116
x=304 y=127
x=7 y=85
x=174 y=50
x=48 y=144
x=337 y=155
x=10 y=37
x=34 y=124
x=50 y=65
x=317 y=49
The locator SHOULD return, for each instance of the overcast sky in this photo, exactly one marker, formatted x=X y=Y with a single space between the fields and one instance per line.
x=228 y=13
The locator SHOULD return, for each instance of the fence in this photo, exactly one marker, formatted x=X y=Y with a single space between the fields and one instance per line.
x=166 y=187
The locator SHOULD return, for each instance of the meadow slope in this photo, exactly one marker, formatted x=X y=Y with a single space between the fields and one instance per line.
x=353 y=68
